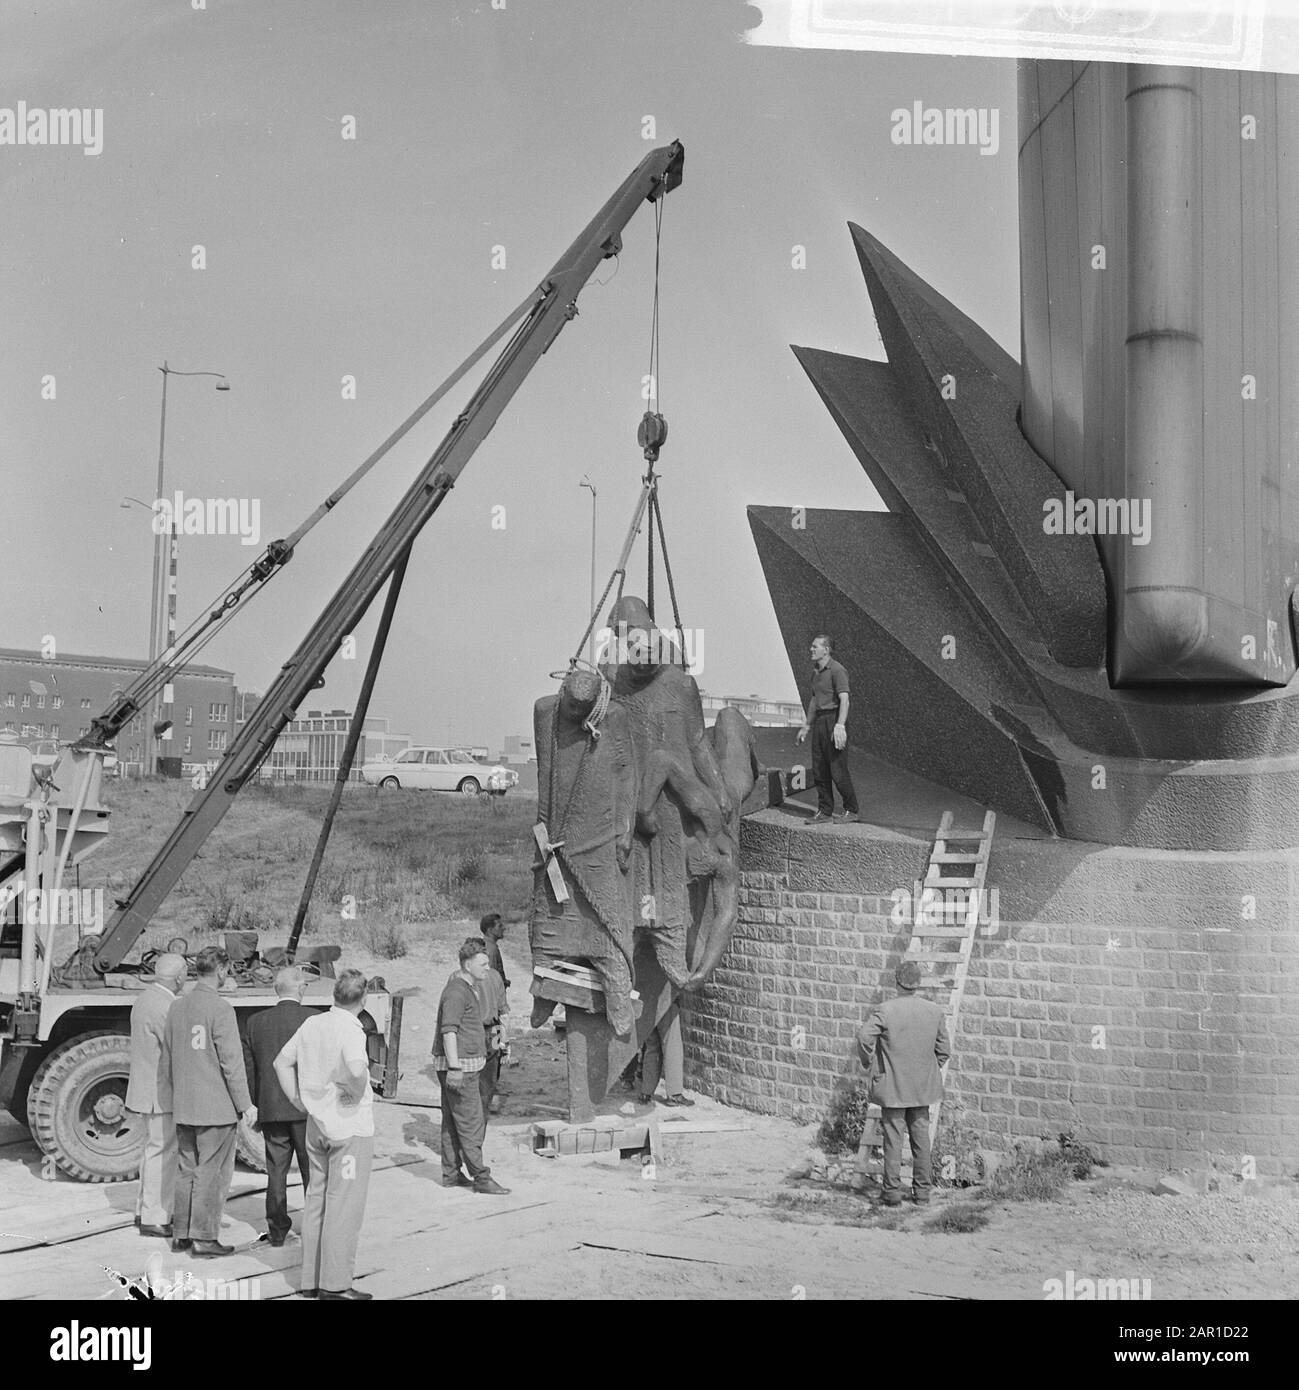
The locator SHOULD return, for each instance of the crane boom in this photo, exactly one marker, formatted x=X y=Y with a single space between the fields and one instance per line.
x=656 y=175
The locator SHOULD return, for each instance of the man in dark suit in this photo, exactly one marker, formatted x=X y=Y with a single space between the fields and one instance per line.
x=283 y=1124
x=903 y=1045
x=202 y=1082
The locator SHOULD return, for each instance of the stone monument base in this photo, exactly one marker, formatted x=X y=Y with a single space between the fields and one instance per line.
x=1147 y=1001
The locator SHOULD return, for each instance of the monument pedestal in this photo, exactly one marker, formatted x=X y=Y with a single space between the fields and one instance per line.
x=1147 y=1001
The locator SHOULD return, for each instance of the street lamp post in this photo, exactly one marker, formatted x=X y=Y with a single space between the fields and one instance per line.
x=590 y=486
x=162 y=608
x=126 y=503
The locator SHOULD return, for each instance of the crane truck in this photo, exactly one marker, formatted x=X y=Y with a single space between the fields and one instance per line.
x=65 y=1029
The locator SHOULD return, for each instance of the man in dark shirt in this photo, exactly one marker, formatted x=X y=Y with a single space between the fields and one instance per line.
x=826 y=721
x=459 y=1054
x=492 y=930
x=283 y=1124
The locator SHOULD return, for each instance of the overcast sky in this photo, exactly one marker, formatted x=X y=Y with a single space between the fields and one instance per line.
x=475 y=127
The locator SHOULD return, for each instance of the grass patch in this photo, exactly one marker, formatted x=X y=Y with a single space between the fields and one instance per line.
x=959 y=1219
x=839 y=1208
x=395 y=859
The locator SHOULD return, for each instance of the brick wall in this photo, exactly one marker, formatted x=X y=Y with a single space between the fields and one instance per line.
x=1189 y=964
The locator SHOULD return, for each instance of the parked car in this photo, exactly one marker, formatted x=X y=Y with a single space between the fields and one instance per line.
x=440 y=770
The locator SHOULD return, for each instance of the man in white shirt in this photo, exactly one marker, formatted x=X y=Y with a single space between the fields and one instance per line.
x=323 y=1069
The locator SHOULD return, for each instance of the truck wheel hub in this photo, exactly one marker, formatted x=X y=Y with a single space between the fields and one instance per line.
x=109 y=1109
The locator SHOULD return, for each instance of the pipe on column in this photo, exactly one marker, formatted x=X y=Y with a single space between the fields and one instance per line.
x=1163 y=610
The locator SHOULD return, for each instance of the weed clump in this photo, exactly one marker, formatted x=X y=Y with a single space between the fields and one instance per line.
x=957 y=1158
x=961 y=1219
x=1082 y=1157
x=841 y=1129
x=1032 y=1176
x=386 y=939
x=223 y=912
x=471 y=865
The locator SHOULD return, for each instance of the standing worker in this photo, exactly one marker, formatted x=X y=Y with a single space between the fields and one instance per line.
x=459 y=1054
x=827 y=720
x=282 y=1123
x=158 y=1162
x=492 y=929
x=492 y=995
x=324 y=1070
x=903 y=1045
x=207 y=1090
x=664 y=1055
x=492 y=1006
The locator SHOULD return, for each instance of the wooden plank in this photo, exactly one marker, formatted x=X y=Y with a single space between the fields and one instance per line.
x=667 y=1128
x=558 y=991
x=94 y=1223
x=586 y=979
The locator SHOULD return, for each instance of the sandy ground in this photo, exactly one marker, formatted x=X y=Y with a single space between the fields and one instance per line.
x=719 y=1217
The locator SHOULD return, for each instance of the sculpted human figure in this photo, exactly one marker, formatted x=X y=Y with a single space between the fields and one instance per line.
x=586 y=793
x=638 y=804
x=687 y=809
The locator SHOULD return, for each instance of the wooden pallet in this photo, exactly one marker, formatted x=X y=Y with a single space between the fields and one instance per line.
x=941 y=946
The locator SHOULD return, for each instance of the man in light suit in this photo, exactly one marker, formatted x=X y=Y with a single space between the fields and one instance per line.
x=283 y=1124
x=903 y=1044
x=207 y=1090
x=158 y=1163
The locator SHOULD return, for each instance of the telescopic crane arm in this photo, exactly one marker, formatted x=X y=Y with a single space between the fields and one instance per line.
x=556 y=303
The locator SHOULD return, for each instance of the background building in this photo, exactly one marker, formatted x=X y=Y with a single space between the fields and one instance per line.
x=517 y=749
x=310 y=749
x=761 y=714
x=55 y=701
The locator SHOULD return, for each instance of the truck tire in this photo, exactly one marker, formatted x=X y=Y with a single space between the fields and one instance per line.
x=250 y=1147
x=76 y=1109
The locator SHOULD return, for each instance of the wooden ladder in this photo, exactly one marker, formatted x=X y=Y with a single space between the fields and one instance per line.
x=941 y=948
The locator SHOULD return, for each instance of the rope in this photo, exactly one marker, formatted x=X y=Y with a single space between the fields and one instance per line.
x=649 y=566
x=653 y=403
x=657 y=516
x=593 y=720
x=620 y=576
